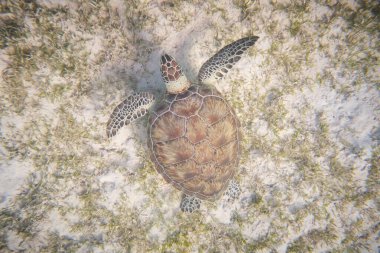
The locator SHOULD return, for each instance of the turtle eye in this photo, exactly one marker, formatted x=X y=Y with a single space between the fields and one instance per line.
x=163 y=60
x=168 y=58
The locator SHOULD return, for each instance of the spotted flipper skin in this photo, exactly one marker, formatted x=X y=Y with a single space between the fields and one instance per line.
x=218 y=65
x=189 y=204
x=233 y=191
x=132 y=108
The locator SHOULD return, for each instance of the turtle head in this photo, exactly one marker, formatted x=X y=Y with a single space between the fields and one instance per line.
x=175 y=81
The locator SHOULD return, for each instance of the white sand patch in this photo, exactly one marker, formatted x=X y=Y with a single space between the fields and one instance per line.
x=321 y=63
x=13 y=176
x=319 y=12
x=14 y=241
x=95 y=47
x=125 y=143
x=60 y=226
x=222 y=214
x=12 y=124
x=4 y=59
x=353 y=5
x=340 y=110
x=57 y=3
x=112 y=185
x=135 y=195
x=119 y=7
x=157 y=233
x=257 y=229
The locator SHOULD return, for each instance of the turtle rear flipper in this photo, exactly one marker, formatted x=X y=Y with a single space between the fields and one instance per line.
x=189 y=204
x=132 y=108
x=233 y=191
x=218 y=65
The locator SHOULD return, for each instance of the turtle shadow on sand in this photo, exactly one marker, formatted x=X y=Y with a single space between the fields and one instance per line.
x=121 y=77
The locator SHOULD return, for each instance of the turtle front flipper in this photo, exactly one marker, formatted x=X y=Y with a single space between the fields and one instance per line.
x=218 y=65
x=132 y=108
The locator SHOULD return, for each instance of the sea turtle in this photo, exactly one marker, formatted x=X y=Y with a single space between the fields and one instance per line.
x=193 y=133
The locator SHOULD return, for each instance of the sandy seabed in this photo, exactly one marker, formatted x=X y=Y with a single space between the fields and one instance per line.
x=307 y=96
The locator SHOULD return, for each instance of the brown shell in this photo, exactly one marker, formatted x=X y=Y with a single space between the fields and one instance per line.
x=194 y=142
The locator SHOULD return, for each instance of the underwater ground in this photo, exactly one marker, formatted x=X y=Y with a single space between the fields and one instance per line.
x=307 y=95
